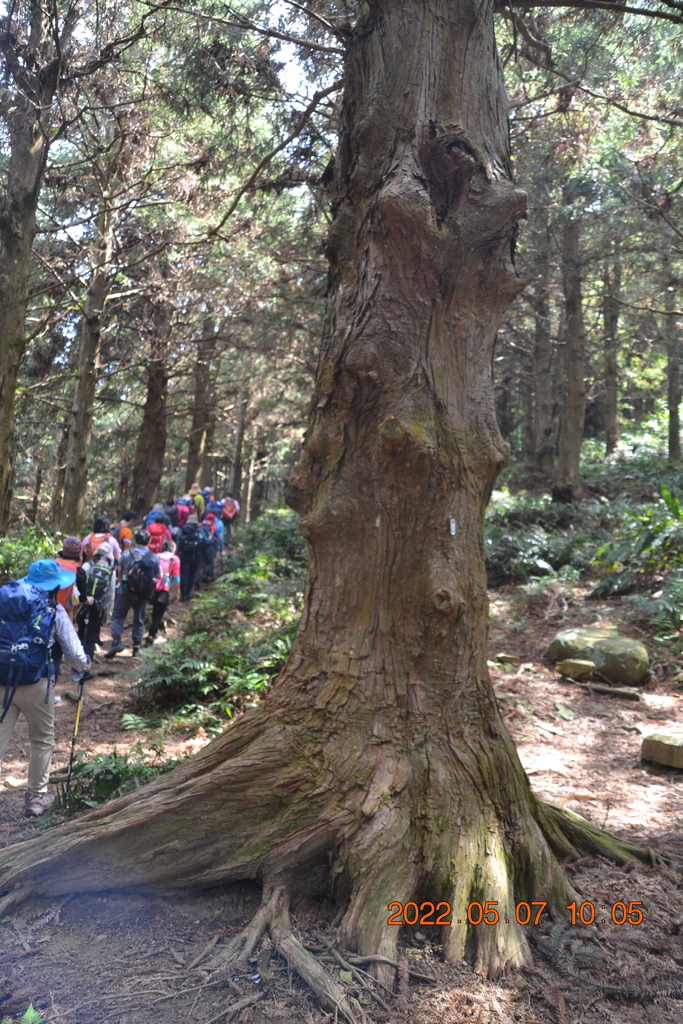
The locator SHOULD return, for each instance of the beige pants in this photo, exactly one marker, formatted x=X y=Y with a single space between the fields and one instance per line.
x=30 y=700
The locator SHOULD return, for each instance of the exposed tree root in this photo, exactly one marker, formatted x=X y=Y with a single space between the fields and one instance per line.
x=570 y=835
x=273 y=915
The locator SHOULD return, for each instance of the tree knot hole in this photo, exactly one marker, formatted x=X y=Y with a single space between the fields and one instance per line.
x=392 y=430
x=448 y=603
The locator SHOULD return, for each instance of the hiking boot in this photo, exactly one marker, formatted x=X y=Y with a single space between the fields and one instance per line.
x=149 y=642
x=37 y=803
x=116 y=646
x=136 y=652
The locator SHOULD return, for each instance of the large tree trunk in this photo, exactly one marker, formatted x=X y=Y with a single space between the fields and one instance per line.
x=32 y=49
x=610 y=319
x=567 y=485
x=379 y=767
x=204 y=398
x=151 y=443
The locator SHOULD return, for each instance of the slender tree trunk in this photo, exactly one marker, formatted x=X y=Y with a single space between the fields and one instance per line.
x=82 y=409
x=235 y=483
x=35 y=501
x=673 y=359
x=379 y=766
x=202 y=405
x=57 y=502
x=567 y=479
x=544 y=359
x=151 y=443
x=257 y=484
x=610 y=319
x=207 y=475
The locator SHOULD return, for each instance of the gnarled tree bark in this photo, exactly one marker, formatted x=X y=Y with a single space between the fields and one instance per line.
x=379 y=768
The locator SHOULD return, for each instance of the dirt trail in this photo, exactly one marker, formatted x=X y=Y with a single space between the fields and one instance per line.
x=129 y=958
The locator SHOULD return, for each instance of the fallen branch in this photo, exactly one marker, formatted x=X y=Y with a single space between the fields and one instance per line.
x=627 y=692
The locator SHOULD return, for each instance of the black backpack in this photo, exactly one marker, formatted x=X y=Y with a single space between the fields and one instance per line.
x=189 y=540
x=98 y=582
x=141 y=579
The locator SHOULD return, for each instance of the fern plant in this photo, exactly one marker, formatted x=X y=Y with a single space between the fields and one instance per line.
x=30 y=1017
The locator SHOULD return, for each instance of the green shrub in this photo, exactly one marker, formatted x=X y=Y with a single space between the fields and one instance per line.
x=238 y=634
x=17 y=553
x=645 y=545
x=530 y=536
x=101 y=777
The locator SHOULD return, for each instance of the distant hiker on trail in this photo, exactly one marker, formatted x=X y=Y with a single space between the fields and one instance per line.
x=231 y=509
x=69 y=558
x=184 y=507
x=159 y=533
x=31 y=621
x=209 y=551
x=171 y=512
x=100 y=533
x=156 y=510
x=198 y=499
x=96 y=581
x=140 y=569
x=189 y=550
x=123 y=533
x=167 y=589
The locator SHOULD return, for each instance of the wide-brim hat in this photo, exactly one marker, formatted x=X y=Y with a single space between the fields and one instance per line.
x=104 y=549
x=47 y=574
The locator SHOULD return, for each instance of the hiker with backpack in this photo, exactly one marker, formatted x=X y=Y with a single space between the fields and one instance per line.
x=96 y=581
x=198 y=499
x=69 y=558
x=140 y=569
x=230 y=512
x=167 y=589
x=159 y=533
x=100 y=533
x=123 y=533
x=31 y=621
x=209 y=551
x=171 y=513
x=190 y=545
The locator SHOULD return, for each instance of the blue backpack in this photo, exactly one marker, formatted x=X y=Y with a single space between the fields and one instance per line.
x=26 y=618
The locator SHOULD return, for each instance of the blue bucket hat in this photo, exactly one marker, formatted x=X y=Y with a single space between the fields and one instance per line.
x=47 y=574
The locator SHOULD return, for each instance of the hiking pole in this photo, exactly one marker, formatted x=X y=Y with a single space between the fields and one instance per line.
x=67 y=791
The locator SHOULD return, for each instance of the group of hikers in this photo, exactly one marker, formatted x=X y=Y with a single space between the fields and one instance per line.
x=55 y=613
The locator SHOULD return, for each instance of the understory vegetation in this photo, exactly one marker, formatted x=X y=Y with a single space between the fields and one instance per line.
x=624 y=537
x=237 y=636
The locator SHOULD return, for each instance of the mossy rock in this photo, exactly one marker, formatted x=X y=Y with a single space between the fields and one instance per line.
x=618 y=658
x=663 y=748
x=575 y=668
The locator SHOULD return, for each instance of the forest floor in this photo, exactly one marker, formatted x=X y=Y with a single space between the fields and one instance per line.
x=145 y=958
